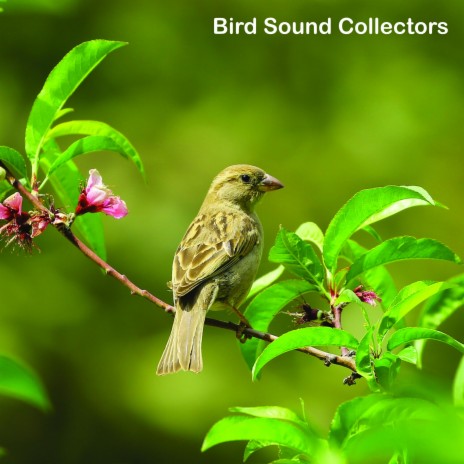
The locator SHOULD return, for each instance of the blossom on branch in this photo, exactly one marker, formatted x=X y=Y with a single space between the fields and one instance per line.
x=96 y=197
x=21 y=227
x=367 y=296
x=18 y=229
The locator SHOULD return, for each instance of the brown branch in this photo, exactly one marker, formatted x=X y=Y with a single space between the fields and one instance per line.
x=67 y=233
x=328 y=358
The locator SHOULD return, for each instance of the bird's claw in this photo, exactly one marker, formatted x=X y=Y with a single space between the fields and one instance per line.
x=241 y=335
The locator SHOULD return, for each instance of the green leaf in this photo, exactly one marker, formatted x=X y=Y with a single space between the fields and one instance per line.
x=338 y=280
x=347 y=416
x=66 y=182
x=377 y=279
x=297 y=256
x=394 y=409
x=20 y=382
x=386 y=369
x=365 y=208
x=264 y=307
x=264 y=281
x=458 y=385
x=347 y=296
x=400 y=457
x=363 y=355
x=299 y=459
x=283 y=433
x=308 y=336
x=409 y=334
x=254 y=445
x=352 y=250
x=310 y=232
x=61 y=113
x=86 y=145
x=392 y=425
x=61 y=83
x=271 y=412
x=398 y=249
x=440 y=307
x=13 y=161
x=373 y=233
x=422 y=439
x=407 y=299
x=381 y=281
x=286 y=455
x=365 y=360
x=97 y=128
x=408 y=354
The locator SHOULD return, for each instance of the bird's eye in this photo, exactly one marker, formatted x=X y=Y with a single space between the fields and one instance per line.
x=245 y=178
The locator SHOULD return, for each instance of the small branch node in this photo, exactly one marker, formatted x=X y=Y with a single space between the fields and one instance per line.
x=330 y=359
x=351 y=379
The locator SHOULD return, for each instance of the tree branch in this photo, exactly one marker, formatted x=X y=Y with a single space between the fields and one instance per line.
x=328 y=358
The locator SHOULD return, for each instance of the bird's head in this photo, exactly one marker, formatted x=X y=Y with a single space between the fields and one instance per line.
x=242 y=185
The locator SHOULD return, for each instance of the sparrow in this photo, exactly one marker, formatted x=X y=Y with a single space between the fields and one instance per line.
x=216 y=261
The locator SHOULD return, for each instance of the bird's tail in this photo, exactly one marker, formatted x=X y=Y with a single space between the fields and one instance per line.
x=183 y=350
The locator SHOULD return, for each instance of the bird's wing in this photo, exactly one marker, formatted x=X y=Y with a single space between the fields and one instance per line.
x=211 y=245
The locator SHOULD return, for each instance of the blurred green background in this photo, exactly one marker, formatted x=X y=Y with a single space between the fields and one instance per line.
x=327 y=115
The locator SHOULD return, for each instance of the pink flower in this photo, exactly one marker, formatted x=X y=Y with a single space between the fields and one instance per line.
x=18 y=228
x=39 y=222
x=367 y=296
x=21 y=227
x=11 y=206
x=97 y=197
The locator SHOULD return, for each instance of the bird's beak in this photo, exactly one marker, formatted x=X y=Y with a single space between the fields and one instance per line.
x=270 y=183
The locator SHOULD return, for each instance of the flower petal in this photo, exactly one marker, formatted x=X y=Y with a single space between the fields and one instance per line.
x=5 y=212
x=115 y=207
x=95 y=179
x=97 y=195
x=14 y=202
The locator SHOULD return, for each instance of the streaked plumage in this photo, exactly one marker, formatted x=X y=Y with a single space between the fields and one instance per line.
x=216 y=262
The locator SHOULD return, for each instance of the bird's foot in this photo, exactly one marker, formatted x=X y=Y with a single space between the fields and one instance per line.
x=243 y=319
x=241 y=335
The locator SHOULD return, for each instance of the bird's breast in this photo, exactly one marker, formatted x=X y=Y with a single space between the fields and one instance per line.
x=235 y=283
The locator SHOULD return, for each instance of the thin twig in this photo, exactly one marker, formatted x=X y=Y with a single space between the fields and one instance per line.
x=68 y=234
x=328 y=358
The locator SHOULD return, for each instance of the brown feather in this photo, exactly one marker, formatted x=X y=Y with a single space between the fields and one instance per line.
x=202 y=256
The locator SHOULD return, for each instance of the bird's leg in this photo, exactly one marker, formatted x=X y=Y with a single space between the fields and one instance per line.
x=244 y=324
x=243 y=319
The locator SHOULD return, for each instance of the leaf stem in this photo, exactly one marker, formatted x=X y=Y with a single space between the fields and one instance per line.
x=337 y=320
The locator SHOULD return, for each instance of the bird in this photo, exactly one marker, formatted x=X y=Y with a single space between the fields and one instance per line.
x=216 y=261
